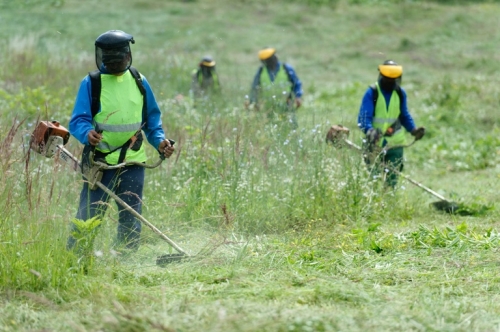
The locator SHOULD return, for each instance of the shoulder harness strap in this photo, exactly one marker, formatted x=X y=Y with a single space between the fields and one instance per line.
x=95 y=84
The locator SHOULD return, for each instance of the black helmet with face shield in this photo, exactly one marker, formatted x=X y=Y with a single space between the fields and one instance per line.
x=112 y=51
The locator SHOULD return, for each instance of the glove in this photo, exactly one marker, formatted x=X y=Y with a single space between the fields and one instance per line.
x=298 y=102
x=373 y=135
x=418 y=133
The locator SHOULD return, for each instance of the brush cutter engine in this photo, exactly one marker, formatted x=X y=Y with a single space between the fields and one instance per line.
x=336 y=135
x=47 y=136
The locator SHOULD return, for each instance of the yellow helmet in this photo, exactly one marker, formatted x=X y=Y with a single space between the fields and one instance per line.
x=207 y=62
x=390 y=69
x=266 y=53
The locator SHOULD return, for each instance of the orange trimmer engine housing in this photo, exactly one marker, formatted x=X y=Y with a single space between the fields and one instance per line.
x=337 y=134
x=47 y=136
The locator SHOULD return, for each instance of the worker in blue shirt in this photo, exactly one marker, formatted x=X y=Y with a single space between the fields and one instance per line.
x=114 y=106
x=276 y=88
x=81 y=125
x=382 y=117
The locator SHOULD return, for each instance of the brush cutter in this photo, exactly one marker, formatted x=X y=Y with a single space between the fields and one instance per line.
x=49 y=138
x=338 y=134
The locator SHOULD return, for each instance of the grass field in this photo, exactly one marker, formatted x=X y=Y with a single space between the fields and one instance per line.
x=287 y=233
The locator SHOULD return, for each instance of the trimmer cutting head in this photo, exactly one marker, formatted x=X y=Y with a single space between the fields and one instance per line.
x=445 y=206
x=462 y=209
x=170 y=258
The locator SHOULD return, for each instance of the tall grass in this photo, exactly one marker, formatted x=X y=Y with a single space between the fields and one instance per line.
x=31 y=197
x=233 y=167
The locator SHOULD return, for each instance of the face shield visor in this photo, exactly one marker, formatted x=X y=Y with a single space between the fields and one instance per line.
x=113 y=60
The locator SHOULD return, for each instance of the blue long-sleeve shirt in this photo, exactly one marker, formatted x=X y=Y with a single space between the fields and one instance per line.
x=367 y=110
x=292 y=76
x=81 y=121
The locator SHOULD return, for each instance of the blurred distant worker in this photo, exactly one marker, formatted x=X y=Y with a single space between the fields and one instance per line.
x=205 y=80
x=276 y=87
x=113 y=107
x=382 y=116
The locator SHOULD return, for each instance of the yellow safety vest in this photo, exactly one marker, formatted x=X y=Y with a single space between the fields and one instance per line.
x=385 y=116
x=279 y=89
x=120 y=117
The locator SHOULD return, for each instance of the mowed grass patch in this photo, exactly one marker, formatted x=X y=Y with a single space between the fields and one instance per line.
x=278 y=288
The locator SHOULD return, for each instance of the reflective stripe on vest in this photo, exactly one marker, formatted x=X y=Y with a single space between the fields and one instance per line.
x=120 y=116
x=280 y=86
x=385 y=116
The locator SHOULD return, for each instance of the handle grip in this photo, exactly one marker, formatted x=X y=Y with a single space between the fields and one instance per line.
x=162 y=156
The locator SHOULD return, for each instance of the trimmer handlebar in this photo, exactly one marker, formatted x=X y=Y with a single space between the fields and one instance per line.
x=104 y=166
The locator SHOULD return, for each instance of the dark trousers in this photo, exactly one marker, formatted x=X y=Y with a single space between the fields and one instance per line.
x=386 y=163
x=127 y=183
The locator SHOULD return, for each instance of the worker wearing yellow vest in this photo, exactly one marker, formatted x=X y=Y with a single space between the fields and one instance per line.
x=125 y=108
x=204 y=79
x=276 y=87
x=383 y=117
